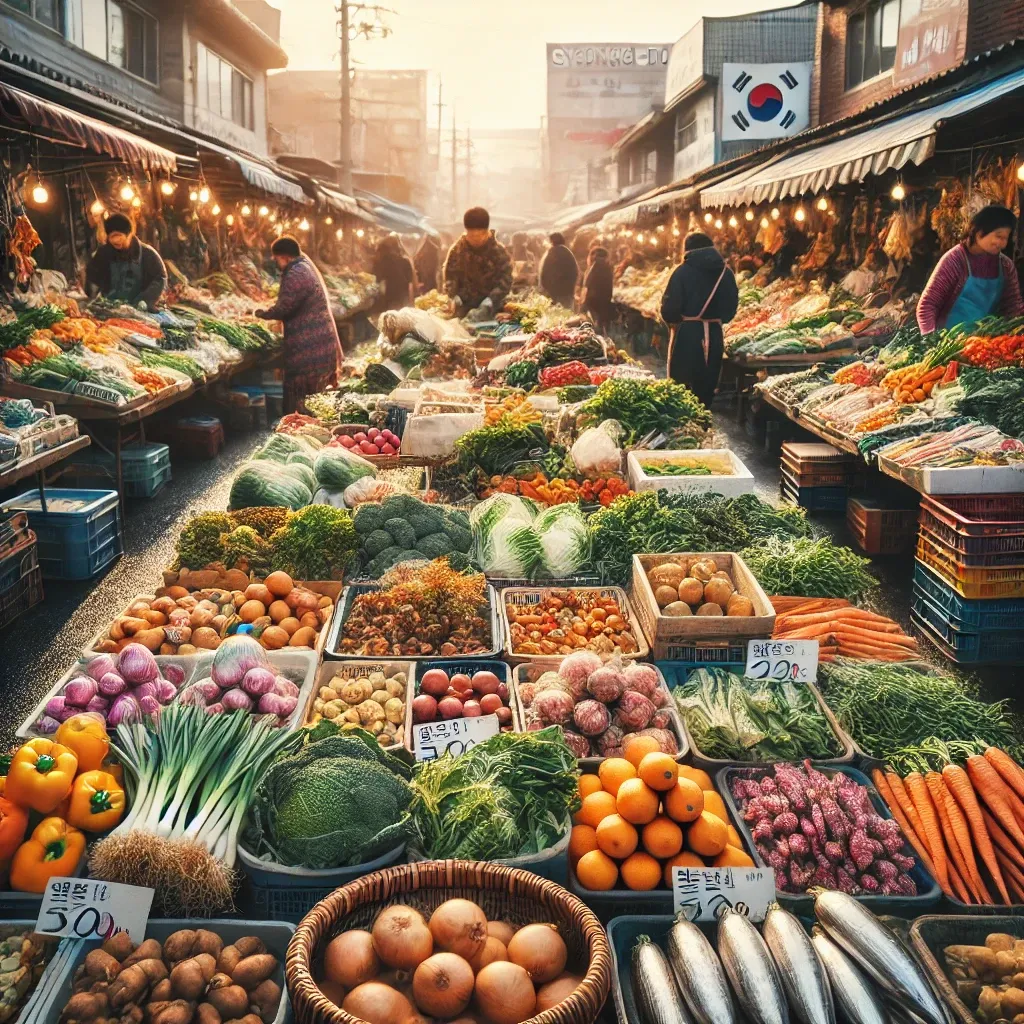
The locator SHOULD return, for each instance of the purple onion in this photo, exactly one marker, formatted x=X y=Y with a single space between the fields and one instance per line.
x=124 y=711
x=215 y=709
x=137 y=664
x=235 y=656
x=193 y=695
x=258 y=681
x=285 y=687
x=100 y=666
x=174 y=674
x=47 y=725
x=165 y=691
x=209 y=689
x=149 y=705
x=56 y=707
x=99 y=705
x=144 y=690
x=275 y=704
x=237 y=700
x=79 y=691
x=112 y=685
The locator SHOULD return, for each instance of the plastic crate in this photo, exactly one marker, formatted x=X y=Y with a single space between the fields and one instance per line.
x=23 y=595
x=196 y=437
x=817 y=452
x=966 y=615
x=970 y=581
x=987 y=558
x=17 y=562
x=993 y=647
x=814 y=499
x=145 y=468
x=879 y=530
x=828 y=474
x=878 y=541
x=80 y=533
x=979 y=515
x=1005 y=543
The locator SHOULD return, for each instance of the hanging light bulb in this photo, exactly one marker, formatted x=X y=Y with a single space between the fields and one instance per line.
x=215 y=209
x=97 y=207
x=823 y=204
x=127 y=192
x=303 y=224
x=137 y=203
x=749 y=215
x=765 y=222
x=640 y=238
x=675 y=232
x=230 y=218
x=328 y=220
x=360 y=233
x=1020 y=171
x=775 y=213
x=899 y=193
x=273 y=218
x=708 y=218
x=204 y=195
x=733 y=222
x=167 y=188
x=800 y=216
x=246 y=210
x=194 y=196
x=40 y=194
x=339 y=234
x=263 y=211
x=718 y=223
x=661 y=227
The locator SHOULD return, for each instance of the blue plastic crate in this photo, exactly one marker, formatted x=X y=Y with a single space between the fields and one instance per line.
x=154 y=482
x=17 y=562
x=80 y=533
x=993 y=647
x=817 y=499
x=145 y=468
x=971 y=616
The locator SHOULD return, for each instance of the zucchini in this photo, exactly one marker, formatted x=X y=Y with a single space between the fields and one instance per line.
x=654 y=986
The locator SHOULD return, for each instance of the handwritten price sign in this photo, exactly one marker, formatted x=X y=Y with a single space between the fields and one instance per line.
x=83 y=909
x=455 y=736
x=701 y=894
x=795 y=661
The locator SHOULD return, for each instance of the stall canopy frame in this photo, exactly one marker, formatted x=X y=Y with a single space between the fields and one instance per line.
x=890 y=146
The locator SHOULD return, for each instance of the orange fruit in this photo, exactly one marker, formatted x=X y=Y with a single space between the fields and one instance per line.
x=641 y=872
x=730 y=857
x=596 y=807
x=662 y=838
x=682 y=860
x=707 y=835
x=684 y=801
x=734 y=837
x=596 y=870
x=659 y=771
x=582 y=839
x=616 y=837
x=613 y=772
x=714 y=804
x=696 y=775
x=637 y=802
x=589 y=784
x=636 y=748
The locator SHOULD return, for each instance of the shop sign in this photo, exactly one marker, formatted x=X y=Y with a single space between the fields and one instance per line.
x=765 y=101
x=793 y=661
x=82 y=908
x=686 y=63
x=929 y=42
x=702 y=894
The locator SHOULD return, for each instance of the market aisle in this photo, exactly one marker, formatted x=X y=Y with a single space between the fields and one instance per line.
x=46 y=640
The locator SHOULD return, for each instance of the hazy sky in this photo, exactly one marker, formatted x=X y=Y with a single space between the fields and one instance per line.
x=490 y=56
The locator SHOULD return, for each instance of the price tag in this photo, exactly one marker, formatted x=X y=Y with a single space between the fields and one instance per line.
x=454 y=736
x=795 y=660
x=82 y=908
x=701 y=894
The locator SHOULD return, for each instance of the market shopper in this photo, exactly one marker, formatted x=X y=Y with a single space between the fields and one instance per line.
x=975 y=278
x=395 y=274
x=478 y=269
x=124 y=269
x=794 y=245
x=700 y=297
x=312 y=350
x=427 y=263
x=559 y=272
x=597 y=288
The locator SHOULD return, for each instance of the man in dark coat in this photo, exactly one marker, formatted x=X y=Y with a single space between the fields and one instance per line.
x=597 y=288
x=558 y=272
x=394 y=273
x=700 y=297
x=478 y=269
x=124 y=269
x=427 y=262
x=312 y=350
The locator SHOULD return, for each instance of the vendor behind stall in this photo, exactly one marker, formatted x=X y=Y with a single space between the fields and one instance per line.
x=559 y=272
x=124 y=269
x=478 y=269
x=394 y=273
x=312 y=351
x=974 y=279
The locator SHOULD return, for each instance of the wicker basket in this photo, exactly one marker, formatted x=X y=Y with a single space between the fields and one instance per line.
x=517 y=896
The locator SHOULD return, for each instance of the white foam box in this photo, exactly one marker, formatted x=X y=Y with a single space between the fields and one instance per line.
x=729 y=477
x=962 y=479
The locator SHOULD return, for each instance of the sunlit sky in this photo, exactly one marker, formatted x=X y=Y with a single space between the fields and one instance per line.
x=490 y=56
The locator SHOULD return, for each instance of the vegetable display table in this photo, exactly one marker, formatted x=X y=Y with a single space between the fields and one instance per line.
x=38 y=464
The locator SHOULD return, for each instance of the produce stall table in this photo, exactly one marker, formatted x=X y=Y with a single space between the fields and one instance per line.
x=832 y=437
x=38 y=464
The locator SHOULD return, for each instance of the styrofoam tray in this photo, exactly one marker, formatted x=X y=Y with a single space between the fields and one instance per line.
x=739 y=481
x=961 y=480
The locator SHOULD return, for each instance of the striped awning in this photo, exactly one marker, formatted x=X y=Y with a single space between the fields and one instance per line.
x=909 y=139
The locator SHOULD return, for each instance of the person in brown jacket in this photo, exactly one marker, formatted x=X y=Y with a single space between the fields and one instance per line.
x=597 y=289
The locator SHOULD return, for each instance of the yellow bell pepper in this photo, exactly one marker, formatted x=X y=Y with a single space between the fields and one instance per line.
x=85 y=735
x=53 y=852
x=97 y=802
x=41 y=775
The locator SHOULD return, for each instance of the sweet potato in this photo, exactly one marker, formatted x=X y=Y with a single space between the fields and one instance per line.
x=150 y=949
x=230 y=1002
x=119 y=946
x=100 y=964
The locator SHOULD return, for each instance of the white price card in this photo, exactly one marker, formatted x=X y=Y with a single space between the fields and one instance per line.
x=792 y=660
x=83 y=908
x=701 y=894
x=453 y=736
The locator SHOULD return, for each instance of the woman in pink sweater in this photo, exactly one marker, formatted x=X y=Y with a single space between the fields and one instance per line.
x=975 y=278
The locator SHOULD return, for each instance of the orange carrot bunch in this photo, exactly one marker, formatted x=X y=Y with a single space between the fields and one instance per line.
x=966 y=824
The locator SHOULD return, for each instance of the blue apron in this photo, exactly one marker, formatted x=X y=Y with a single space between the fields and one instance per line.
x=979 y=298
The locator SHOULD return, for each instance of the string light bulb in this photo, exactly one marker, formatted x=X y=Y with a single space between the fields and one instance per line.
x=263 y=211
x=823 y=204
x=204 y=195
x=136 y=203
x=273 y=218
x=215 y=210
x=661 y=227
x=360 y=233
x=899 y=193
x=193 y=196
x=97 y=207
x=799 y=216
x=328 y=220
x=653 y=240
x=676 y=232
x=127 y=192
x=339 y=234
x=765 y=222
x=749 y=215
x=718 y=223
x=230 y=218
x=775 y=213
x=1020 y=171
x=167 y=188
x=246 y=210
x=40 y=194
x=708 y=218
x=640 y=238
x=733 y=222
x=303 y=224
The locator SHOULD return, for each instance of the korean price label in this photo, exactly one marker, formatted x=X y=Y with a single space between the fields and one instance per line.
x=454 y=736
x=701 y=894
x=82 y=908
x=792 y=660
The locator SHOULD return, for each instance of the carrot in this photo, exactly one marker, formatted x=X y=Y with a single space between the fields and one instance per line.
x=918 y=793
x=988 y=784
x=1008 y=769
x=962 y=837
x=1003 y=843
x=831 y=616
x=1014 y=875
x=897 y=812
x=933 y=782
x=959 y=785
x=897 y=639
x=878 y=653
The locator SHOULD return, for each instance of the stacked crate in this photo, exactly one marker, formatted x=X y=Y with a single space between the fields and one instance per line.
x=21 y=582
x=879 y=528
x=969 y=577
x=818 y=477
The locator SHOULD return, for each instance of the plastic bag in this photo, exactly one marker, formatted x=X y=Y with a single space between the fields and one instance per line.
x=597 y=452
x=338 y=468
x=396 y=324
x=435 y=436
x=336 y=499
x=367 y=489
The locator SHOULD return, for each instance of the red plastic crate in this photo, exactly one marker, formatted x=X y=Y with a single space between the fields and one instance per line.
x=978 y=515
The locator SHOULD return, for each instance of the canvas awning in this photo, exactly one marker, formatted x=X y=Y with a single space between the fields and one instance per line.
x=264 y=178
x=909 y=139
x=577 y=216
x=67 y=126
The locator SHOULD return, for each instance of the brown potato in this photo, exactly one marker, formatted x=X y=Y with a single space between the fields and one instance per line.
x=119 y=946
x=187 y=980
x=250 y=945
x=179 y=945
x=265 y=999
x=229 y=957
x=251 y=970
x=176 y=1012
x=231 y=1001
x=100 y=964
x=161 y=991
x=206 y=1013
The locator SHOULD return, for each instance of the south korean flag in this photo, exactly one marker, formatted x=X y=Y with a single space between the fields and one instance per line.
x=765 y=101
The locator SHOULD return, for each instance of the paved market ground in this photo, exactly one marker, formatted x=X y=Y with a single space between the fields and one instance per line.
x=43 y=643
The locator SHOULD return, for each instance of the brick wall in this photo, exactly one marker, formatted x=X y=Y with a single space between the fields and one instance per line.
x=993 y=22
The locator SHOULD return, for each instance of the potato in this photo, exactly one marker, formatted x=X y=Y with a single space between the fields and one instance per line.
x=691 y=590
x=187 y=981
x=230 y=1002
x=258 y=592
x=229 y=957
x=676 y=609
x=206 y=1013
x=251 y=970
x=150 y=949
x=119 y=946
x=265 y=999
x=709 y=609
x=739 y=605
x=665 y=595
x=304 y=636
x=251 y=945
x=718 y=592
x=667 y=574
x=151 y=639
x=206 y=637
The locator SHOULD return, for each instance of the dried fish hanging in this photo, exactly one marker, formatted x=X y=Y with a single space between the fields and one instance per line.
x=949 y=220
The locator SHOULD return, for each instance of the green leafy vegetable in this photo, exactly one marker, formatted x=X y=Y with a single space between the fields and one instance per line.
x=317 y=543
x=642 y=406
x=201 y=540
x=803 y=567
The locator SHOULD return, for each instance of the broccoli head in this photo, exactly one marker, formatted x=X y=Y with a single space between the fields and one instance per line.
x=427 y=519
x=459 y=561
x=456 y=517
x=245 y=549
x=368 y=518
x=200 y=541
x=376 y=542
x=379 y=564
x=462 y=539
x=400 y=505
x=402 y=533
x=435 y=545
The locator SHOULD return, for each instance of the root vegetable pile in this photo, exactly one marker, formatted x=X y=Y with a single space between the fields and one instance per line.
x=369 y=699
x=563 y=621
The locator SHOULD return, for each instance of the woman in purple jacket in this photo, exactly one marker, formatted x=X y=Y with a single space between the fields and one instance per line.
x=975 y=279
x=312 y=350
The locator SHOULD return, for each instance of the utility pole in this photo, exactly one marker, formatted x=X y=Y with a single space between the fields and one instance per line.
x=440 y=108
x=469 y=167
x=455 y=167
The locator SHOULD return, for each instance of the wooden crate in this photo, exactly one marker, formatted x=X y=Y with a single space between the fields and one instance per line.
x=665 y=631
